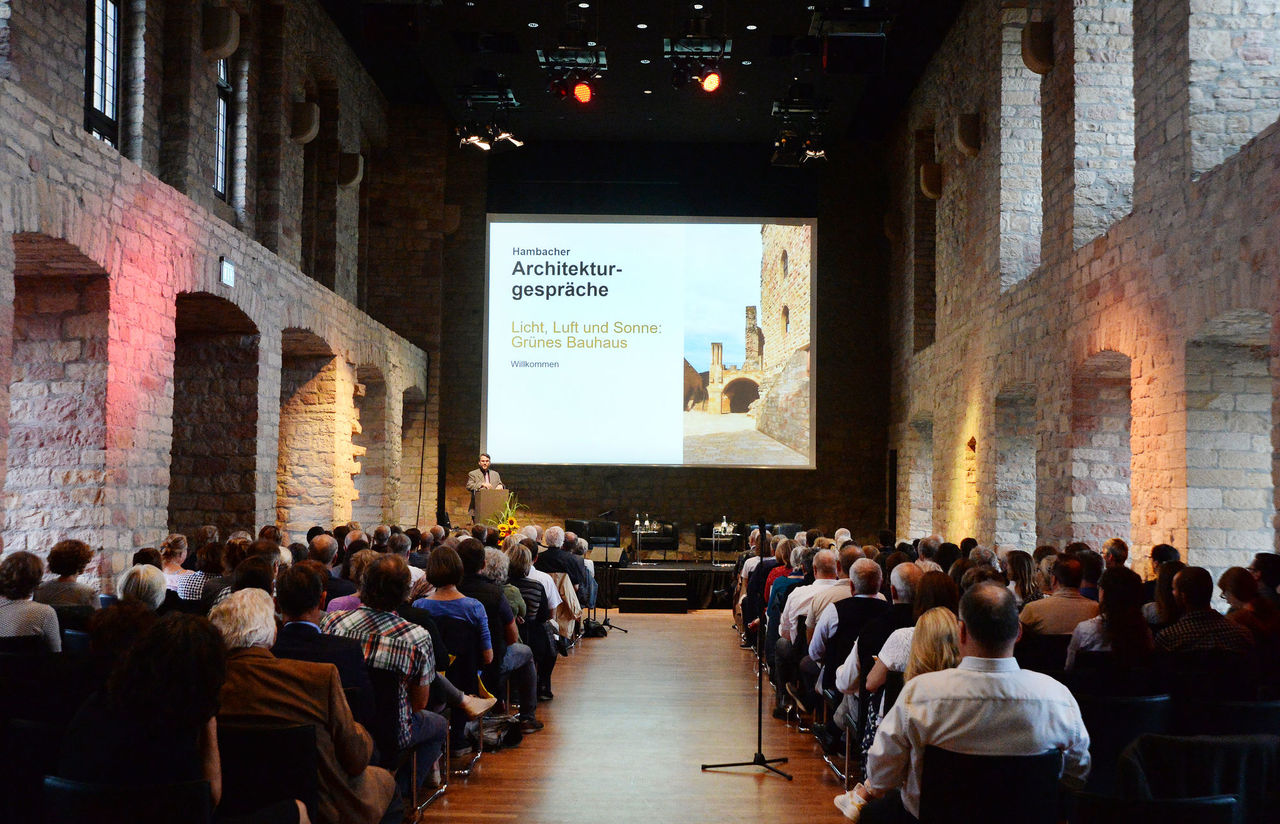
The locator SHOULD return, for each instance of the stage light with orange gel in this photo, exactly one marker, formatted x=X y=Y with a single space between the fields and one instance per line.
x=709 y=80
x=582 y=92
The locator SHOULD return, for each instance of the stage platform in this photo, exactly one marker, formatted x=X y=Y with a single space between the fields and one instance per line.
x=701 y=580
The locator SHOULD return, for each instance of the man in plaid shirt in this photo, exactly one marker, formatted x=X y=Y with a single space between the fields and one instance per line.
x=1200 y=628
x=392 y=643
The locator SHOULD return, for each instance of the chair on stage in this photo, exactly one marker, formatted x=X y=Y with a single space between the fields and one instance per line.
x=607 y=534
x=665 y=539
x=788 y=529
x=706 y=540
x=581 y=528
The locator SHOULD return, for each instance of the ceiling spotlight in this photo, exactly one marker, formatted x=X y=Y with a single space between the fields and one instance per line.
x=559 y=88
x=582 y=92
x=812 y=149
x=786 y=148
x=584 y=5
x=502 y=134
x=709 y=80
x=533 y=25
x=644 y=61
x=752 y=27
x=473 y=134
x=642 y=25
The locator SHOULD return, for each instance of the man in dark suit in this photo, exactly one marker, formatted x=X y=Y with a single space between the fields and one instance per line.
x=324 y=549
x=482 y=478
x=556 y=559
x=300 y=597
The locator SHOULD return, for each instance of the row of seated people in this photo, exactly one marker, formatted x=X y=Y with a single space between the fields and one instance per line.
x=844 y=625
x=461 y=612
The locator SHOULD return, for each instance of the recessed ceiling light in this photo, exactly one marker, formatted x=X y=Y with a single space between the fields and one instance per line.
x=591 y=43
x=584 y=5
x=697 y=7
x=533 y=25
x=648 y=91
x=644 y=61
x=752 y=27
x=642 y=25
x=746 y=62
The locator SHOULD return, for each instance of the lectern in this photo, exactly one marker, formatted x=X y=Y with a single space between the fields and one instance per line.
x=490 y=502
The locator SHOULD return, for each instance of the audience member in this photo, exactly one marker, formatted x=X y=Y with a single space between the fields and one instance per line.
x=1119 y=628
x=67 y=560
x=1160 y=554
x=399 y=543
x=392 y=644
x=954 y=709
x=144 y=584
x=1115 y=553
x=356 y=569
x=948 y=554
x=1022 y=578
x=1065 y=607
x=581 y=548
x=1248 y=608
x=262 y=690
x=1265 y=568
x=927 y=553
x=324 y=548
x=20 y=574
x=841 y=623
x=1164 y=610
x=1091 y=566
x=1200 y=627
x=536 y=631
x=172 y=553
x=904 y=584
x=555 y=559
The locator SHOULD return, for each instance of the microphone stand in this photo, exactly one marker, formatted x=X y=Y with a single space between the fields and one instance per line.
x=758 y=760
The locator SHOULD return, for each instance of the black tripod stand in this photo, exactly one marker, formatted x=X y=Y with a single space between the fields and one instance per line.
x=758 y=760
x=607 y=624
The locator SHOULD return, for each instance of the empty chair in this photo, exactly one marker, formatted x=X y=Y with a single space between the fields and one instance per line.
x=1042 y=653
x=1172 y=767
x=1113 y=723
x=958 y=789
x=64 y=801
x=1223 y=674
x=265 y=765
x=1227 y=717
x=1091 y=808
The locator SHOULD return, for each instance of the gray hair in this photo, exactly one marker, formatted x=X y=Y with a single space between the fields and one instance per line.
x=982 y=556
x=399 y=543
x=929 y=547
x=826 y=562
x=530 y=531
x=797 y=556
x=353 y=536
x=554 y=536
x=246 y=619
x=581 y=547
x=143 y=583
x=904 y=578
x=841 y=534
x=324 y=548
x=381 y=533
x=495 y=565
x=801 y=539
x=866 y=575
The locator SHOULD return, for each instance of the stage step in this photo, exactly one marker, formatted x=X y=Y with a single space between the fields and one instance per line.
x=646 y=589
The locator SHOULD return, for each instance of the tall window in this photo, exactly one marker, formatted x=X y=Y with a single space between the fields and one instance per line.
x=222 y=145
x=102 y=65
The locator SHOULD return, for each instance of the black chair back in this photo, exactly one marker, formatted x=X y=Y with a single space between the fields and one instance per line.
x=1227 y=717
x=463 y=639
x=1091 y=808
x=23 y=645
x=581 y=527
x=787 y=529
x=1098 y=673
x=386 y=714
x=1172 y=766
x=75 y=802
x=1223 y=674
x=604 y=533
x=893 y=684
x=29 y=750
x=1042 y=653
x=264 y=765
x=978 y=789
x=73 y=617
x=1113 y=723
x=75 y=640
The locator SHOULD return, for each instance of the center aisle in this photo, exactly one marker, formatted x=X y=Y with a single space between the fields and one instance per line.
x=635 y=716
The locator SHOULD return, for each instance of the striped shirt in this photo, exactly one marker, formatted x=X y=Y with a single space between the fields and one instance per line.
x=389 y=643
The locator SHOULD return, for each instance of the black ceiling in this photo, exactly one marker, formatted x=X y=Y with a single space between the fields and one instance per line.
x=430 y=50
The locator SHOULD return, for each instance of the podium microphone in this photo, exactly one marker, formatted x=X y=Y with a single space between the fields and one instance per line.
x=608 y=513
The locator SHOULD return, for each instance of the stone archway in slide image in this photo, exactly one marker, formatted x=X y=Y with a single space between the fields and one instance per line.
x=739 y=394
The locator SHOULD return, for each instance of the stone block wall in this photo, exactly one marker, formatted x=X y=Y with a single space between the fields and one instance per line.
x=1099 y=334
x=73 y=209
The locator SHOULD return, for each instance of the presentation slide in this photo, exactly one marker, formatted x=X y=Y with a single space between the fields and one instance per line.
x=649 y=341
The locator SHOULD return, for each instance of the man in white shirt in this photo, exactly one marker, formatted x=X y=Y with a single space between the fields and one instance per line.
x=987 y=705
x=789 y=649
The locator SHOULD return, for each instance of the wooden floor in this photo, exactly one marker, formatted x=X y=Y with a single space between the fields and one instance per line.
x=634 y=718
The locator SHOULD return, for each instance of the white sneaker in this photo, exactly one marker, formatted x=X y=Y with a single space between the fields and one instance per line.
x=850 y=805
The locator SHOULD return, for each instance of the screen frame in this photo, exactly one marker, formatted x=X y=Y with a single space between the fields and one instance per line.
x=512 y=217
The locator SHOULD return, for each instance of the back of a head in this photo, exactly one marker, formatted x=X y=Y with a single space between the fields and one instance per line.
x=246 y=618
x=207 y=534
x=531 y=545
x=265 y=548
x=399 y=543
x=20 y=574
x=936 y=589
x=323 y=548
x=929 y=547
x=811 y=536
x=1164 y=553
x=340 y=534
x=1091 y=566
x=967 y=545
x=444 y=567
x=114 y=629
x=580 y=547
x=143 y=583
x=272 y=533
x=1238 y=583
x=495 y=565
x=174 y=546
x=1195 y=585
x=353 y=536
x=905 y=579
x=948 y=554
x=1115 y=552
x=471 y=552
x=360 y=565
x=172 y=674
x=148 y=555
x=518 y=562
x=1043 y=551
x=1121 y=589
x=865 y=577
x=782 y=551
x=1268 y=566
x=68 y=558
x=824 y=564
x=299 y=590
x=313 y=532
x=255 y=572
x=386 y=582
x=381 y=534
x=885 y=538
x=990 y=616
x=848 y=555
x=211 y=558
x=554 y=536
x=1068 y=571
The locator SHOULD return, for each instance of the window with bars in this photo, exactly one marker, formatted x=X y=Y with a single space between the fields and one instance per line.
x=222 y=132
x=102 y=76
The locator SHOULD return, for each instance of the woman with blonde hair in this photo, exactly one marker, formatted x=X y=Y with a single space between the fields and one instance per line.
x=935 y=645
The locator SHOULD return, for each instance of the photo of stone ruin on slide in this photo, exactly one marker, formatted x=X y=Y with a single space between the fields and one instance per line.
x=750 y=407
